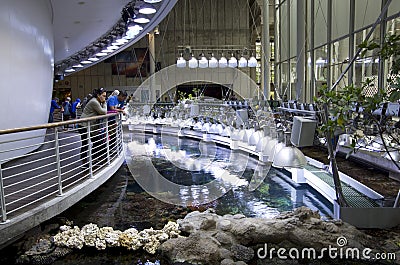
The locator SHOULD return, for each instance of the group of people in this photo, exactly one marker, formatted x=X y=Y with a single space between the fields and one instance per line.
x=93 y=105
x=67 y=108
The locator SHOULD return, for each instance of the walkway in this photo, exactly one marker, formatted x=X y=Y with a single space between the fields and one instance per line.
x=42 y=183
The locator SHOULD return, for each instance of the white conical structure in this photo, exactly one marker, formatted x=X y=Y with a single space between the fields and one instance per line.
x=232 y=62
x=181 y=62
x=213 y=62
x=193 y=63
x=252 y=62
x=203 y=62
x=223 y=62
x=242 y=62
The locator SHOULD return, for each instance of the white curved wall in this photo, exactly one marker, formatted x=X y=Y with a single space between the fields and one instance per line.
x=26 y=66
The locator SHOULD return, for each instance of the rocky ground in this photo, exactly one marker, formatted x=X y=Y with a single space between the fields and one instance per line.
x=206 y=237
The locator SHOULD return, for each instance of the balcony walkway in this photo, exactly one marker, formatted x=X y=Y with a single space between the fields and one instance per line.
x=44 y=182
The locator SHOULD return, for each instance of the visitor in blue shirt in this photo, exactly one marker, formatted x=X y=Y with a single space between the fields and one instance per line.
x=116 y=103
x=74 y=106
x=54 y=105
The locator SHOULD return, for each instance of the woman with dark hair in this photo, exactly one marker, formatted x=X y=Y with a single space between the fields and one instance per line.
x=94 y=107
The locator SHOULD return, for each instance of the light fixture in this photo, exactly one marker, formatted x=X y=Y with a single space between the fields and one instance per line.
x=152 y=1
x=232 y=62
x=147 y=9
x=93 y=59
x=78 y=65
x=289 y=156
x=223 y=62
x=242 y=62
x=203 y=62
x=181 y=62
x=193 y=63
x=70 y=70
x=141 y=19
x=101 y=54
x=86 y=62
x=213 y=62
x=252 y=62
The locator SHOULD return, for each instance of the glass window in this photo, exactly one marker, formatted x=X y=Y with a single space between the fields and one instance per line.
x=321 y=22
x=285 y=77
x=283 y=13
x=293 y=28
x=340 y=60
x=340 y=18
x=321 y=60
x=393 y=27
x=367 y=66
x=367 y=11
x=394 y=8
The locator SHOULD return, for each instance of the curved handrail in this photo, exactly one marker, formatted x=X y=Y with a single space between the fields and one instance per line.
x=55 y=124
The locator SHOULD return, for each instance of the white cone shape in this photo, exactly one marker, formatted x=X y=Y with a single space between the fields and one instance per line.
x=232 y=62
x=222 y=63
x=242 y=62
x=252 y=62
x=181 y=62
x=213 y=62
x=203 y=62
x=193 y=63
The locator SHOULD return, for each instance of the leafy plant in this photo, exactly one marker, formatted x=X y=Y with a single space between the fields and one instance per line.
x=343 y=108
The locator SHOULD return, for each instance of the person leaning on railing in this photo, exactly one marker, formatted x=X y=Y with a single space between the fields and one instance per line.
x=94 y=107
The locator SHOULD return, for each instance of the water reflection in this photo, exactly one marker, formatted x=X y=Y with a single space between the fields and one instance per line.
x=191 y=173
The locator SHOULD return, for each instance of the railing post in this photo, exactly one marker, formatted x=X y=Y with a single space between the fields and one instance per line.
x=107 y=143
x=2 y=198
x=89 y=150
x=118 y=134
x=58 y=161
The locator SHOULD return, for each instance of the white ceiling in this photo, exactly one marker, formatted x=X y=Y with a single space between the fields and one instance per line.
x=77 y=23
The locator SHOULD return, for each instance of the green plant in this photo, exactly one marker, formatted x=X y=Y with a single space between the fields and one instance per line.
x=343 y=107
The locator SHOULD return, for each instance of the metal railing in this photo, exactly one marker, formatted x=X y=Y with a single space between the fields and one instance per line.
x=41 y=162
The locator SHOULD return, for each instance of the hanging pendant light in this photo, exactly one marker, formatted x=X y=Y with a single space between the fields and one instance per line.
x=223 y=62
x=193 y=63
x=252 y=62
x=203 y=62
x=242 y=62
x=289 y=156
x=181 y=62
x=232 y=62
x=213 y=62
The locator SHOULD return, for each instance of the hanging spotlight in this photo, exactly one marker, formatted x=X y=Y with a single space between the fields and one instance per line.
x=203 y=62
x=181 y=62
x=232 y=62
x=223 y=62
x=193 y=63
x=213 y=62
x=252 y=62
x=242 y=62
x=289 y=156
